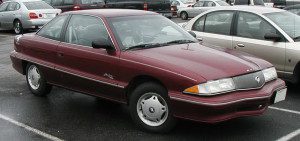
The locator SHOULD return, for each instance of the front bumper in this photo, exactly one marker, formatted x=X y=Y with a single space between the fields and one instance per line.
x=226 y=106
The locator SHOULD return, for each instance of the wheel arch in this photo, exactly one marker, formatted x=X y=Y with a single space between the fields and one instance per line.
x=137 y=80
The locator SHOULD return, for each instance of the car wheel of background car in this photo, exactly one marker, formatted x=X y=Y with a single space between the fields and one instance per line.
x=150 y=108
x=36 y=81
x=184 y=15
x=18 y=28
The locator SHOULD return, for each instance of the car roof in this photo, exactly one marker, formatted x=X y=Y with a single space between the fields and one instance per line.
x=112 y=12
x=252 y=9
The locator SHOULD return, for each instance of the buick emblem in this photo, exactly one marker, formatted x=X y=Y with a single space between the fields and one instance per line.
x=257 y=79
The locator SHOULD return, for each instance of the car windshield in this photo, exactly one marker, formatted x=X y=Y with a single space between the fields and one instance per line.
x=148 y=31
x=222 y=3
x=35 y=5
x=288 y=22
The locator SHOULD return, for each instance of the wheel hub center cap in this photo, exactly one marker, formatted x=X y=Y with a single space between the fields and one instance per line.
x=151 y=110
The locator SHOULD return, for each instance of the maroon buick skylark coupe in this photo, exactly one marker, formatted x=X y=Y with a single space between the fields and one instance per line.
x=146 y=61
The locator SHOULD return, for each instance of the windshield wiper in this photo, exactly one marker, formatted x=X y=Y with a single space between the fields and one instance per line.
x=145 y=46
x=180 y=42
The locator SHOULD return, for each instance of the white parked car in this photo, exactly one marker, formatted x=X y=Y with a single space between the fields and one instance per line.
x=269 y=33
x=25 y=14
x=199 y=7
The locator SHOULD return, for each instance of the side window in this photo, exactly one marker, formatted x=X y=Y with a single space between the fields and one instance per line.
x=11 y=6
x=253 y=26
x=47 y=1
x=3 y=7
x=68 y=2
x=56 y=2
x=241 y=2
x=209 y=4
x=198 y=25
x=199 y=4
x=53 y=29
x=84 y=33
x=219 y=22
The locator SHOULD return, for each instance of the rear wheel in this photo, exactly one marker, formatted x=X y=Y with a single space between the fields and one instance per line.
x=36 y=81
x=150 y=108
x=184 y=15
x=18 y=28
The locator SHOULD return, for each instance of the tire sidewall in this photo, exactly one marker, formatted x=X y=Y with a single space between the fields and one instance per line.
x=21 y=27
x=155 y=88
x=43 y=88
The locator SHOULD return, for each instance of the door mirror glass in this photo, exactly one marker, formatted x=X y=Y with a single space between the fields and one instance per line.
x=102 y=43
x=272 y=36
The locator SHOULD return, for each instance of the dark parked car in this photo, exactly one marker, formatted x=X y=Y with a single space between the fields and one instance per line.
x=160 y=6
x=148 y=62
x=294 y=9
x=71 y=5
x=285 y=3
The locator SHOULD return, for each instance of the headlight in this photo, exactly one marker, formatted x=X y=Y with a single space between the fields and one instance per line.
x=270 y=74
x=212 y=87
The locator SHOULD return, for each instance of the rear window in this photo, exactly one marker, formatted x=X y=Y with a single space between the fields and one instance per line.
x=35 y=5
x=91 y=1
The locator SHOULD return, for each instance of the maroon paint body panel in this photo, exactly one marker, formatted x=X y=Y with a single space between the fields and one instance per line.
x=108 y=74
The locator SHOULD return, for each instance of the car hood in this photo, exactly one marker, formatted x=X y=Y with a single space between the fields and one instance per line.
x=194 y=60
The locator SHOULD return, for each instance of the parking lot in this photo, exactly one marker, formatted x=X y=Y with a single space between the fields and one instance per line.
x=66 y=115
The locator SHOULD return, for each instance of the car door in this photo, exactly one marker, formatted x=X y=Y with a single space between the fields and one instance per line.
x=196 y=9
x=250 y=37
x=44 y=46
x=10 y=14
x=215 y=28
x=85 y=68
x=3 y=8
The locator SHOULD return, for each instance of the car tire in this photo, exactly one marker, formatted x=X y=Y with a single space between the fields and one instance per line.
x=184 y=15
x=18 y=28
x=36 y=81
x=150 y=108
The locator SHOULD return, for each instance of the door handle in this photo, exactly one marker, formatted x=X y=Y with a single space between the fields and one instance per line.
x=60 y=54
x=240 y=45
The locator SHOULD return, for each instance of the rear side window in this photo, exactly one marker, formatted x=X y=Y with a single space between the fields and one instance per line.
x=91 y=1
x=53 y=29
x=199 y=24
x=3 y=6
x=242 y=2
x=12 y=6
x=219 y=22
x=35 y=5
x=57 y=2
x=68 y=2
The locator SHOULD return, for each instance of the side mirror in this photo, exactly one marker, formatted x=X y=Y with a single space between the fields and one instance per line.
x=272 y=36
x=193 y=34
x=103 y=43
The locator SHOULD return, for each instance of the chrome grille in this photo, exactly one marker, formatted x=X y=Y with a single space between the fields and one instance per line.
x=249 y=81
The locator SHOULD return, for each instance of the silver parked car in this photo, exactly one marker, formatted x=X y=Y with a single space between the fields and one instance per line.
x=199 y=7
x=25 y=14
x=270 y=33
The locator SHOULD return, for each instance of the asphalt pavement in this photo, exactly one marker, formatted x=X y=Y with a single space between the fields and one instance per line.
x=67 y=115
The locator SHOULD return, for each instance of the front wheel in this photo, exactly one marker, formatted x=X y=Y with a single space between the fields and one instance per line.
x=36 y=81
x=150 y=108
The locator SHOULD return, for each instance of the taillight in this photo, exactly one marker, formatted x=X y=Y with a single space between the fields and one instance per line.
x=76 y=7
x=33 y=16
x=145 y=6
